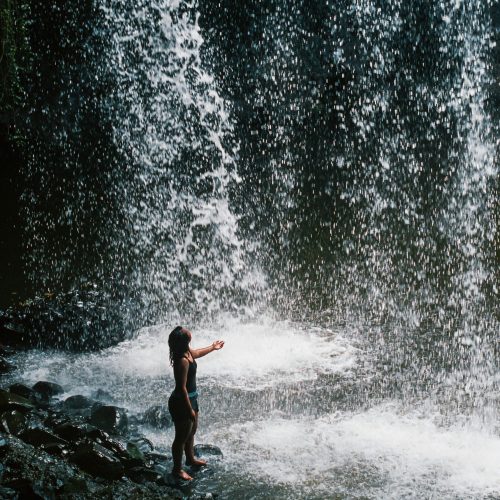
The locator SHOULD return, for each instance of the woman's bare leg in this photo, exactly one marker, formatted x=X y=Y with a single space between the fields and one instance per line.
x=189 y=446
x=182 y=433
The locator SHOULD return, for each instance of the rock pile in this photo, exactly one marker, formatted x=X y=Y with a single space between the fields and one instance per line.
x=80 y=448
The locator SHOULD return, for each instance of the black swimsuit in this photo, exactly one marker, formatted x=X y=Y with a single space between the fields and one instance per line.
x=176 y=403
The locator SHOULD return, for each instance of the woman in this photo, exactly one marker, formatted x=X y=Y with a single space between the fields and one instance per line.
x=183 y=403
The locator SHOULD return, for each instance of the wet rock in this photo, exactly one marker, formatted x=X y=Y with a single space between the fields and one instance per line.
x=72 y=431
x=6 y=367
x=56 y=418
x=110 y=419
x=77 y=402
x=6 y=351
x=97 y=460
x=143 y=444
x=31 y=489
x=143 y=475
x=8 y=493
x=203 y=450
x=158 y=416
x=116 y=447
x=47 y=389
x=11 y=401
x=74 y=487
x=80 y=320
x=159 y=462
x=97 y=435
x=13 y=421
x=134 y=451
x=39 y=437
x=23 y=390
x=4 y=445
x=56 y=449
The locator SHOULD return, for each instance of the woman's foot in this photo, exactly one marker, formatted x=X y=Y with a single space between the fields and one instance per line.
x=180 y=474
x=196 y=462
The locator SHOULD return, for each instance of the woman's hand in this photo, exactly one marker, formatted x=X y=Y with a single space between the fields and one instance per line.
x=193 y=415
x=218 y=344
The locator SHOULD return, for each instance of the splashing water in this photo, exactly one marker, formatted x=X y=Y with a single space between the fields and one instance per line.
x=350 y=178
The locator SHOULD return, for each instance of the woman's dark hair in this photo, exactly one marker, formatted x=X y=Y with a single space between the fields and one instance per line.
x=178 y=341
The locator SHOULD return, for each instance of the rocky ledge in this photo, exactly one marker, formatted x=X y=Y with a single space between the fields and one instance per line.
x=81 y=447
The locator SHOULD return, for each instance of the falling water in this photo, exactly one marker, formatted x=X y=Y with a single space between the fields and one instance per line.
x=321 y=194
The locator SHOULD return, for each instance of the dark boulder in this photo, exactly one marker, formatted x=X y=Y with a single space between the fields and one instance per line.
x=11 y=401
x=39 y=437
x=203 y=450
x=72 y=431
x=48 y=389
x=56 y=449
x=79 y=320
x=97 y=460
x=77 y=402
x=110 y=419
x=158 y=416
x=23 y=390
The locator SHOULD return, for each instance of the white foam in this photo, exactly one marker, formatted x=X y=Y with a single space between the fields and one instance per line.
x=392 y=455
x=266 y=352
x=256 y=354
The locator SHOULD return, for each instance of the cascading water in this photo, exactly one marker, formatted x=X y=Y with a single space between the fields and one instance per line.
x=174 y=133
x=333 y=178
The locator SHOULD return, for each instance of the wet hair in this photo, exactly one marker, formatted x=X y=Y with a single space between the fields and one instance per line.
x=178 y=342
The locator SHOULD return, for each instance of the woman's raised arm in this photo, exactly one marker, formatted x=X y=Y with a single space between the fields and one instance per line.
x=215 y=346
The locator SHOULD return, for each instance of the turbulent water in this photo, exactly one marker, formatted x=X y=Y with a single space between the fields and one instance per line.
x=323 y=199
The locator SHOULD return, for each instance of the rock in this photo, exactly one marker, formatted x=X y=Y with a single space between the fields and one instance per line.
x=207 y=449
x=48 y=389
x=74 y=487
x=56 y=449
x=23 y=390
x=6 y=367
x=134 y=451
x=97 y=460
x=34 y=490
x=13 y=421
x=158 y=416
x=142 y=475
x=39 y=437
x=159 y=462
x=6 y=351
x=77 y=402
x=110 y=419
x=143 y=444
x=56 y=418
x=73 y=431
x=11 y=401
x=4 y=445
x=8 y=493
x=97 y=435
